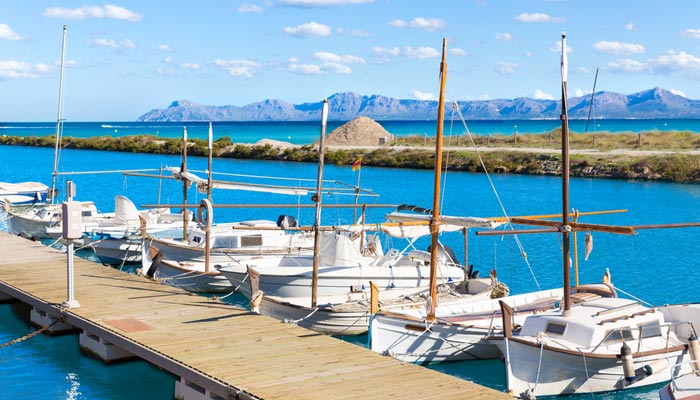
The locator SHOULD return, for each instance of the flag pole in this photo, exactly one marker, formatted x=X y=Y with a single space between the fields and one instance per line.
x=357 y=192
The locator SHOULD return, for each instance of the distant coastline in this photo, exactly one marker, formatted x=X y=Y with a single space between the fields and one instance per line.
x=663 y=156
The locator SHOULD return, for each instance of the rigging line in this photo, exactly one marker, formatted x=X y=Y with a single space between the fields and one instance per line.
x=498 y=198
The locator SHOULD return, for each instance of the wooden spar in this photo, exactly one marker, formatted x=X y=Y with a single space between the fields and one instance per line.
x=566 y=242
x=317 y=198
x=183 y=169
x=577 y=226
x=59 y=121
x=664 y=226
x=516 y=232
x=435 y=221
x=207 y=234
x=543 y=216
x=271 y=205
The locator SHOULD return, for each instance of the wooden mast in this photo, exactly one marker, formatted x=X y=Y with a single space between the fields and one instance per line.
x=317 y=200
x=565 y=228
x=435 y=220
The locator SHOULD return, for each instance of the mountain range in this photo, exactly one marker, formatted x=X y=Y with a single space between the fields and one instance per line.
x=648 y=104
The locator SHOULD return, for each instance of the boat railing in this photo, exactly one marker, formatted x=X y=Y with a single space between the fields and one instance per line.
x=625 y=334
x=675 y=371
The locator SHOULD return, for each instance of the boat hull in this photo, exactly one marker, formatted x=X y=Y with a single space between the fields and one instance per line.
x=555 y=373
x=324 y=320
x=192 y=280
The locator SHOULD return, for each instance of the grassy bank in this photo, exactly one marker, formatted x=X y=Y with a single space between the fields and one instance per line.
x=500 y=153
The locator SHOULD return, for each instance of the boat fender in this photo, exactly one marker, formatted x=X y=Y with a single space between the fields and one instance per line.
x=204 y=222
x=694 y=345
x=154 y=265
x=627 y=362
x=656 y=366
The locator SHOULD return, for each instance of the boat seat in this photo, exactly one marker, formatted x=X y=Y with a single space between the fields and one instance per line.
x=581 y=297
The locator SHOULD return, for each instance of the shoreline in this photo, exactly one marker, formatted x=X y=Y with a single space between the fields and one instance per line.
x=670 y=165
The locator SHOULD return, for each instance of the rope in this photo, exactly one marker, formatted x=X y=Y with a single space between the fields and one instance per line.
x=295 y=321
x=633 y=297
x=498 y=198
x=29 y=335
x=585 y=367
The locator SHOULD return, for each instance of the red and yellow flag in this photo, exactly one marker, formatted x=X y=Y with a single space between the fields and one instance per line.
x=356 y=165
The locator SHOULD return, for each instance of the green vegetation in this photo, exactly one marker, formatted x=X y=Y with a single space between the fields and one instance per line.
x=670 y=158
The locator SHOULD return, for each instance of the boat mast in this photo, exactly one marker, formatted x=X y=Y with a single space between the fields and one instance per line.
x=317 y=200
x=183 y=170
x=59 y=120
x=435 y=220
x=207 y=237
x=565 y=228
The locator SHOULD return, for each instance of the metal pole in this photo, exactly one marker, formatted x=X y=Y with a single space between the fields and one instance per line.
x=71 y=302
x=59 y=120
x=318 y=199
x=207 y=237
x=183 y=169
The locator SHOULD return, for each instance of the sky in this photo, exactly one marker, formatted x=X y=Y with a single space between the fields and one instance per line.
x=127 y=57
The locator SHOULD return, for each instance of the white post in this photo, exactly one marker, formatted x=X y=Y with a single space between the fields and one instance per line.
x=72 y=229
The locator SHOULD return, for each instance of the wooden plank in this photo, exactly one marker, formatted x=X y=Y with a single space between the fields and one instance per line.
x=214 y=344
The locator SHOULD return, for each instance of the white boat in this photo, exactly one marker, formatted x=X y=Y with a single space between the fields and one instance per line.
x=23 y=193
x=343 y=265
x=45 y=222
x=685 y=379
x=597 y=345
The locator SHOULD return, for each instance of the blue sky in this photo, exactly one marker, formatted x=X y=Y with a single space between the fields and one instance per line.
x=128 y=57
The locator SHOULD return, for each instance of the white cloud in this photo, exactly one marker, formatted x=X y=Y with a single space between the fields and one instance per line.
x=457 y=52
x=427 y=24
x=393 y=51
x=691 y=33
x=322 y=3
x=354 y=32
x=618 y=48
x=334 y=58
x=674 y=61
x=12 y=69
x=165 y=48
x=505 y=36
x=506 y=68
x=306 y=69
x=538 y=17
x=249 y=8
x=6 y=33
x=191 y=66
x=168 y=59
x=123 y=44
x=578 y=92
x=93 y=12
x=626 y=65
x=677 y=92
x=630 y=26
x=308 y=29
x=528 y=54
x=420 y=52
x=557 y=48
x=422 y=95
x=397 y=23
x=237 y=67
x=540 y=95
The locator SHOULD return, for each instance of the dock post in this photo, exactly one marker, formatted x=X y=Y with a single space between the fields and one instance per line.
x=71 y=212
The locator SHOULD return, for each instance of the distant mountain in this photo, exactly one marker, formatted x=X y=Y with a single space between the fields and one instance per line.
x=653 y=103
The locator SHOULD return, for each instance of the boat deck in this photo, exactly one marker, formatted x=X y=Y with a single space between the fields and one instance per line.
x=233 y=353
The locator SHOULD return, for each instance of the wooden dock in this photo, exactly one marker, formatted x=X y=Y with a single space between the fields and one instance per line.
x=230 y=352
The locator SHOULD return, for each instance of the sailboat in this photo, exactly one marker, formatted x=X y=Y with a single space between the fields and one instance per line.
x=23 y=194
x=596 y=345
x=454 y=328
x=34 y=222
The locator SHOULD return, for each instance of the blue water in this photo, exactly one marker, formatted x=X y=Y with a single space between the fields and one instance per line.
x=638 y=264
x=308 y=132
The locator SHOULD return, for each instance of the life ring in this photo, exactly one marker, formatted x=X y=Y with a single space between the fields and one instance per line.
x=204 y=222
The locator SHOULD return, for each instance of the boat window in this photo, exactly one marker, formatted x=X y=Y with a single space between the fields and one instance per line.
x=87 y=213
x=555 y=328
x=197 y=239
x=226 y=242
x=650 y=329
x=254 y=240
x=618 y=334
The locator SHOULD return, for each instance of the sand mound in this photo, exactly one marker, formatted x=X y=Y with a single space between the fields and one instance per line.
x=361 y=131
x=274 y=143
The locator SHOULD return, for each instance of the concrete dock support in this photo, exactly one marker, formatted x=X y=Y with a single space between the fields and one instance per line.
x=186 y=390
x=102 y=349
x=43 y=319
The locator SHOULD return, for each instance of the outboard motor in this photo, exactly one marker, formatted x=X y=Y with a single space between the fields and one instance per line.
x=286 y=222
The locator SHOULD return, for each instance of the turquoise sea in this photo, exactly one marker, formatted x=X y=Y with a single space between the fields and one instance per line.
x=308 y=132
x=658 y=266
